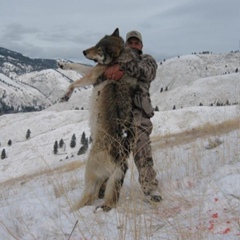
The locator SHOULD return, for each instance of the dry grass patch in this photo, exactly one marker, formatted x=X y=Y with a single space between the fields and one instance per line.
x=206 y=130
x=68 y=167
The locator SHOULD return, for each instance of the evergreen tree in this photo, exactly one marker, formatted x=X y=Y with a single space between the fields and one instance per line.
x=83 y=138
x=156 y=108
x=61 y=142
x=86 y=143
x=55 y=147
x=3 y=155
x=82 y=150
x=9 y=142
x=28 y=134
x=73 y=141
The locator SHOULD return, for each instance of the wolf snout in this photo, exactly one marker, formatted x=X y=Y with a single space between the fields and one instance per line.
x=84 y=53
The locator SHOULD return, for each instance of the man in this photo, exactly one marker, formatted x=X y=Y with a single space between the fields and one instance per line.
x=145 y=71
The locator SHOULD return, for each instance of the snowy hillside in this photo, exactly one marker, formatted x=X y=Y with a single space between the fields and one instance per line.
x=196 y=151
x=180 y=75
x=18 y=95
x=205 y=79
x=50 y=82
x=30 y=84
x=197 y=157
x=34 y=89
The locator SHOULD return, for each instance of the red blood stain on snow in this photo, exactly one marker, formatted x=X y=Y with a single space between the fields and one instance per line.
x=215 y=215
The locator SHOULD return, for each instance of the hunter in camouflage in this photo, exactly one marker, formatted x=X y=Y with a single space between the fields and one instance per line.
x=144 y=69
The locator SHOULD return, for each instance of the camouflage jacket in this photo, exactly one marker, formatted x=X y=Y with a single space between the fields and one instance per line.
x=143 y=68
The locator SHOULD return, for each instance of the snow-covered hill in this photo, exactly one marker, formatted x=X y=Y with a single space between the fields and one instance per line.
x=196 y=151
x=30 y=84
x=197 y=157
x=205 y=79
x=190 y=78
x=180 y=75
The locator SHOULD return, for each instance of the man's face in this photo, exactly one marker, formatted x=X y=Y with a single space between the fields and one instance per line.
x=134 y=43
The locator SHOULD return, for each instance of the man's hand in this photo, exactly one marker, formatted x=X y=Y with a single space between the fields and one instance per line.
x=113 y=72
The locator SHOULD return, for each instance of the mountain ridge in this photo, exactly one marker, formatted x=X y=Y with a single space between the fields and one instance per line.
x=28 y=85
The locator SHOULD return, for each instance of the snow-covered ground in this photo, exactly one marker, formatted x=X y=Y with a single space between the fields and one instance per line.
x=196 y=151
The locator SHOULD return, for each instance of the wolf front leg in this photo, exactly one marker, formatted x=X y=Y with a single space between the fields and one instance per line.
x=87 y=80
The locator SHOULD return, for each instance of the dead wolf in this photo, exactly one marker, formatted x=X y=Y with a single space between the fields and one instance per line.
x=111 y=122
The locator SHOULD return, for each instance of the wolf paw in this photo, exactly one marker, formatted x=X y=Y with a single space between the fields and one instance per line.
x=64 y=65
x=65 y=98
x=104 y=208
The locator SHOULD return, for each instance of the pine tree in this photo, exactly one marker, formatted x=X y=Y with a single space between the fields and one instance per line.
x=55 y=147
x=3 y=155
x=28 y=134
x=73 y=141
x=61 y=142
x=86 y=143
x=83 y=138
x=82 y=150
x=9 y=142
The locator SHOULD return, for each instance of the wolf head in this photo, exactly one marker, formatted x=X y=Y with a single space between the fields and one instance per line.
x=107 y=50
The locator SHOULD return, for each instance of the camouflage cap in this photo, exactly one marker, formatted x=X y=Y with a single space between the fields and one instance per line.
x=135 y=34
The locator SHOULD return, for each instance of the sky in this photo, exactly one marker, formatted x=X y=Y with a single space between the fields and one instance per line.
x=63 y=29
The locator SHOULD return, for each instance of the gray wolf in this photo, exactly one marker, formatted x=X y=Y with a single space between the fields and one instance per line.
x=110 y=121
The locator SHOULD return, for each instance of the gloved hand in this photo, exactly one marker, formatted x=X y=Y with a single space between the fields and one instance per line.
x=113 y=72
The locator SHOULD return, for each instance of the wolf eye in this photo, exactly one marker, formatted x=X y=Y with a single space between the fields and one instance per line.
x=99 y=50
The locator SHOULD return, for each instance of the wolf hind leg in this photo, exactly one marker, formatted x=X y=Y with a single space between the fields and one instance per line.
x=88 y=197
x=113 y=187
x=102 y=189
x=95 y=175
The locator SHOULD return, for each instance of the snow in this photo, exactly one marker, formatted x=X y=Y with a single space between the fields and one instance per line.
x=195 y=148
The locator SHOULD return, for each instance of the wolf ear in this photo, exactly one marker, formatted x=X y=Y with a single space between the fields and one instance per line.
x=116 y=32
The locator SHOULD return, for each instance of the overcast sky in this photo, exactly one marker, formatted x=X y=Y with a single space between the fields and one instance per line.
x=64 y=28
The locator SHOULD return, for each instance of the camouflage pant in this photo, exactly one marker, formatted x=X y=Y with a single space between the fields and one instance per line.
x=142 y=152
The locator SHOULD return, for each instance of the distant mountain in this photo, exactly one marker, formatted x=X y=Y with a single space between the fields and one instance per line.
x=13 y=64
x=28 y=84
